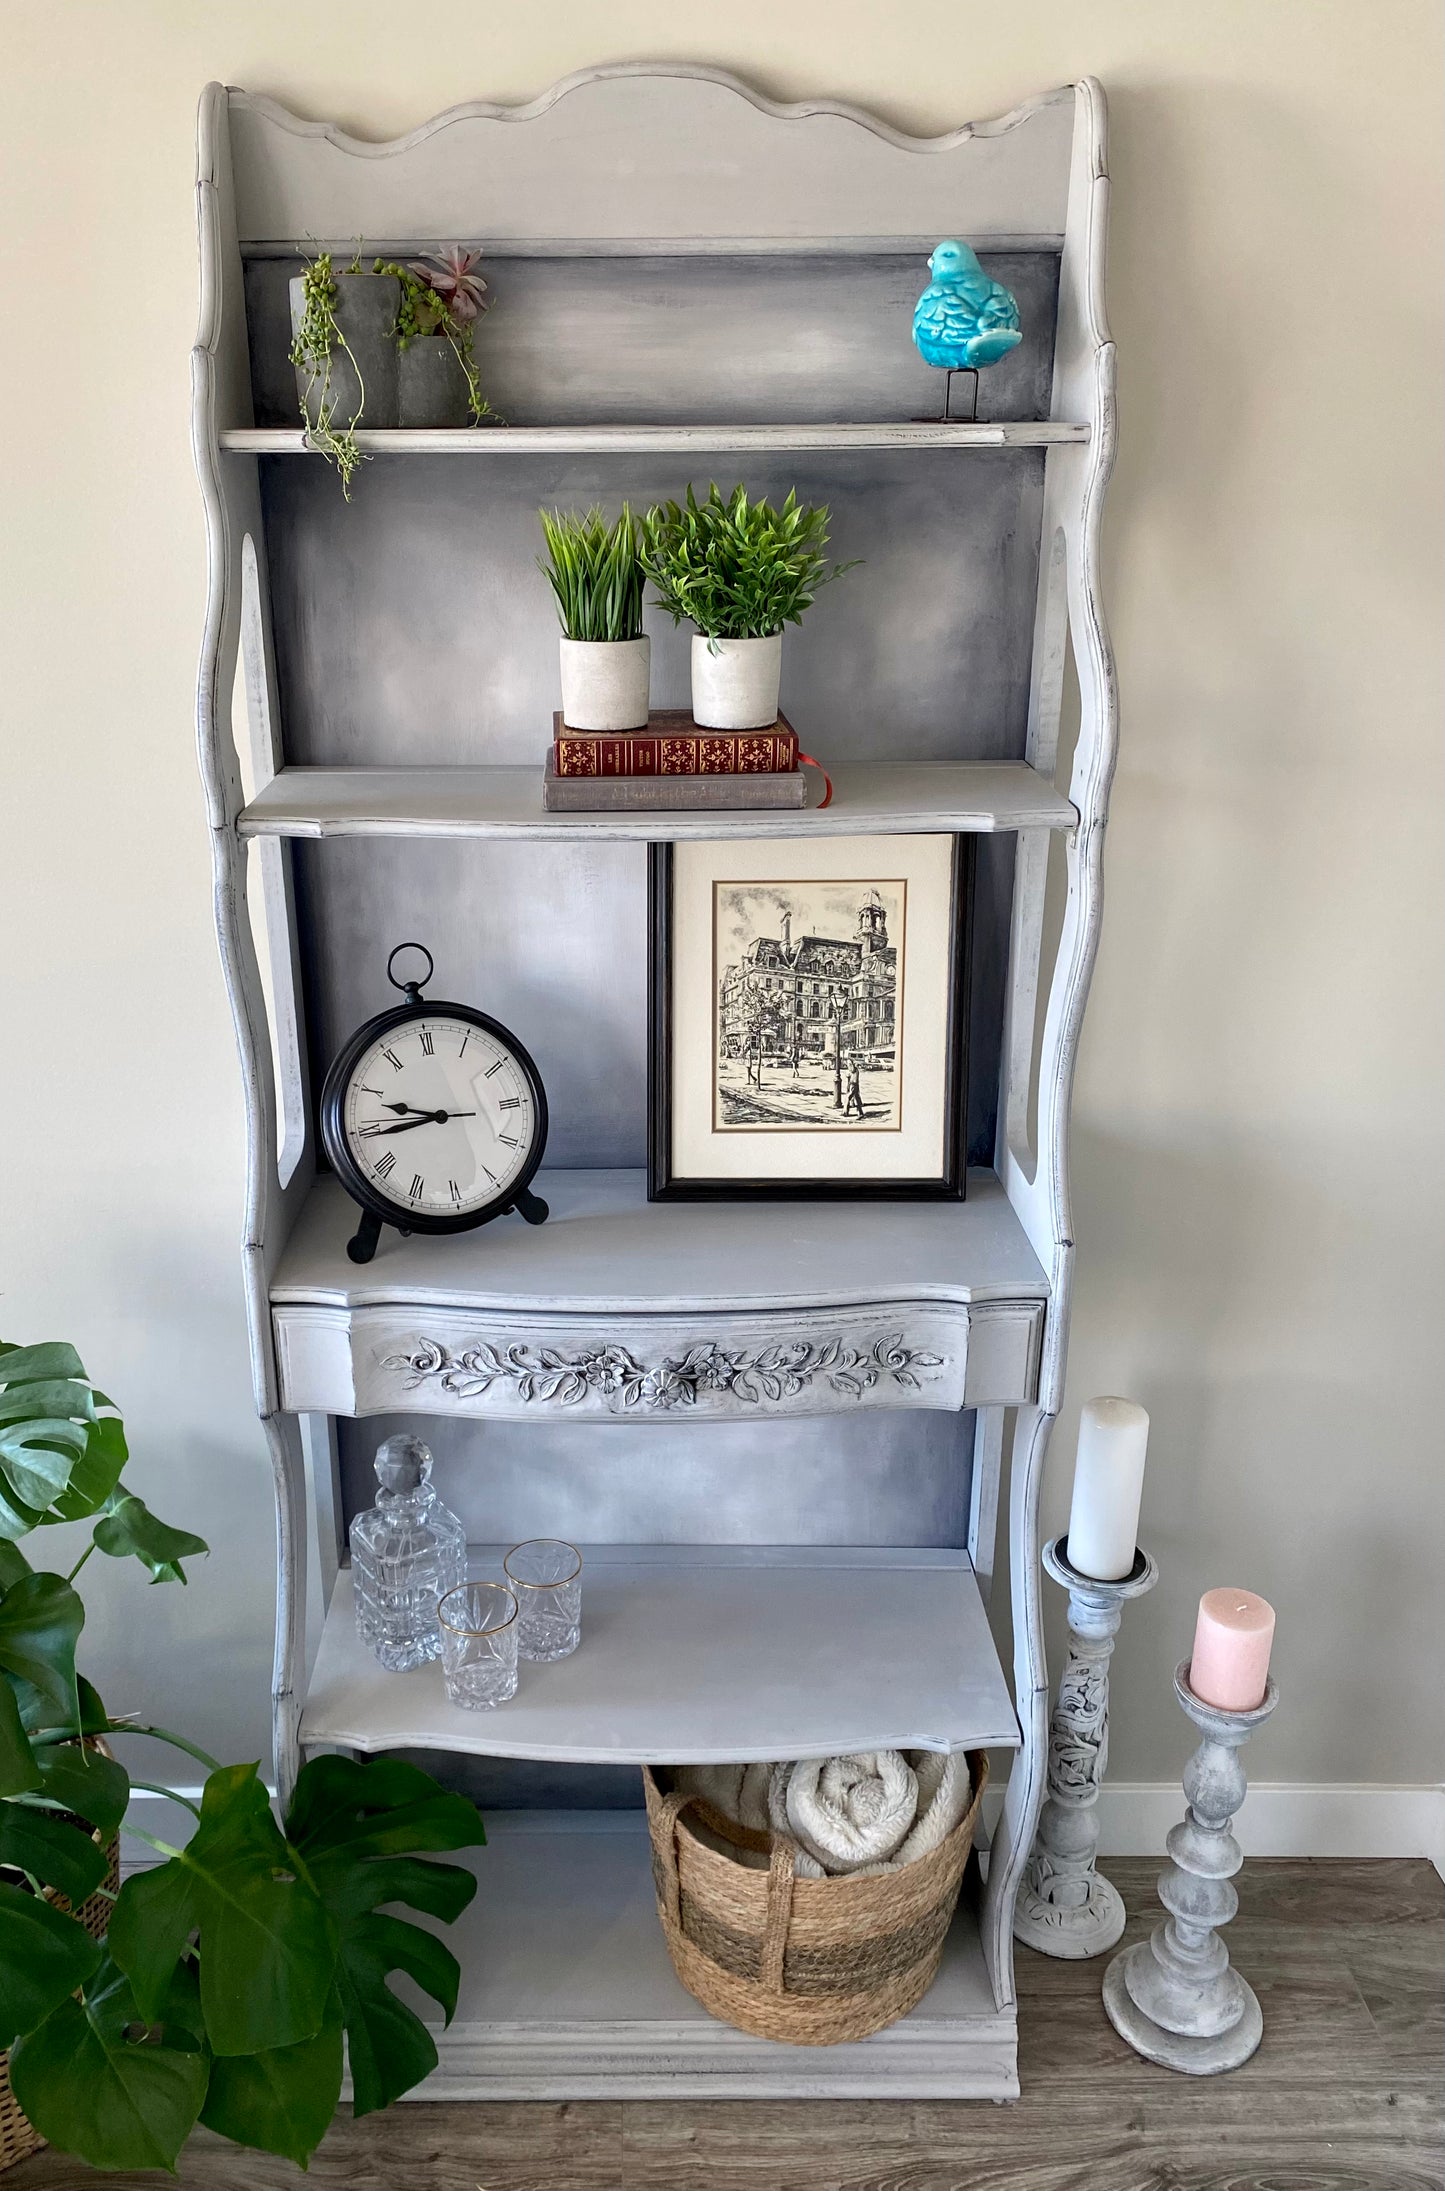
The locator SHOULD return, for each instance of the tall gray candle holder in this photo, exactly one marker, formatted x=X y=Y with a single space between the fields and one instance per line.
x=1064 y=1907
x=1174 y=1996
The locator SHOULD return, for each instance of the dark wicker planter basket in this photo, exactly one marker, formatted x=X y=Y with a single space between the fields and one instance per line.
x=18 y=2136
x=810 y=1961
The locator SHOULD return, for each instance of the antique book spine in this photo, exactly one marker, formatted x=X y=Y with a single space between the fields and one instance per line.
x=676 y=753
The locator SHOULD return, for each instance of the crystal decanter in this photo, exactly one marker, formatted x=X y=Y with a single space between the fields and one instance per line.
x=407 y=1551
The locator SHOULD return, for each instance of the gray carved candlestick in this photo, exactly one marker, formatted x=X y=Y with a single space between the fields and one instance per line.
x=1174 y=1996
x=1064 y=1907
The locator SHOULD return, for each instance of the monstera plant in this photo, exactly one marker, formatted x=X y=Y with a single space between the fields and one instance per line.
x=232 y=1972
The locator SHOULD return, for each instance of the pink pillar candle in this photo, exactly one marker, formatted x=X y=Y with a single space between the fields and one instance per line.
x=1230 y=1662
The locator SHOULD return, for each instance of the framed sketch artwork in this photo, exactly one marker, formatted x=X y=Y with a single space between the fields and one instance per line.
x=808 y=1012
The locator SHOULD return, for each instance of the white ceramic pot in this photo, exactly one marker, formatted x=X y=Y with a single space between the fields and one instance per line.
x=736 y=687
x=604 y=683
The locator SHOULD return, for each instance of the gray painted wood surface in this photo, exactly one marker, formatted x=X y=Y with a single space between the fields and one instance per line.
x=607 y=1249
x=873 y=1477
x=664 y=147
x=872 y=797
x=777 y=341
x=566 y=1986
x=615 y=1309
x=694 y=1653
x=685 y=440
x=412 y=626
x=959 y=610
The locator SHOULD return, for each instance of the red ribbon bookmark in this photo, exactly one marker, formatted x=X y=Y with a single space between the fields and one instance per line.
x=807 y=761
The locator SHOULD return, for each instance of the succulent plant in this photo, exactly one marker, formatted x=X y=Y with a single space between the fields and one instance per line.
x=449 y=274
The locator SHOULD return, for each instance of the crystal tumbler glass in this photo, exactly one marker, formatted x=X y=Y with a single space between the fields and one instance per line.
x=479 y=1627
x=546 y=1574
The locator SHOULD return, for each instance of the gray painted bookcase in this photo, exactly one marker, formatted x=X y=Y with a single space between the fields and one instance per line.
x=690 y=281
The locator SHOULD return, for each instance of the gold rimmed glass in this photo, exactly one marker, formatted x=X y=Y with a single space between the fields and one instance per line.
x=546 y=1574
x=479 y=1624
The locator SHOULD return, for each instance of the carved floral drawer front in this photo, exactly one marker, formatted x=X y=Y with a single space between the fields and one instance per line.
x=476 y=1362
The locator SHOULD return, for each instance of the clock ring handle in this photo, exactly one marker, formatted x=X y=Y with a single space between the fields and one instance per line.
x=411 y=990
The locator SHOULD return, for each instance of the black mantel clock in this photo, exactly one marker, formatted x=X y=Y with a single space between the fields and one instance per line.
x=434 y=1118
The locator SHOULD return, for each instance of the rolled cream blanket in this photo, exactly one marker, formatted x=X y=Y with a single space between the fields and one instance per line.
x=945 y=1790
x=739 y=1792
x=847 y=1812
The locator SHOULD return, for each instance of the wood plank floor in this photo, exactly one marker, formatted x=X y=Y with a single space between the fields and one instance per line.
x=1347 y=2092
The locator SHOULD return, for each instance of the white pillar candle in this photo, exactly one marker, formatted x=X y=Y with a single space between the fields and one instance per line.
x=1108 y=1485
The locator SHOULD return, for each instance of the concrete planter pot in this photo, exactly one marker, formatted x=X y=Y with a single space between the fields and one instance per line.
x=365 y=314
x=605 y=683
x=735 y=682
x=431 y=384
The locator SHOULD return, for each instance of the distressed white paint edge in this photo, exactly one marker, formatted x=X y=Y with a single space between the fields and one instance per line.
x=364 y=148
x=1296 y=1818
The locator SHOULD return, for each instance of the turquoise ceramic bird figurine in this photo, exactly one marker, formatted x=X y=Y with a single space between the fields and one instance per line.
x=964 y=319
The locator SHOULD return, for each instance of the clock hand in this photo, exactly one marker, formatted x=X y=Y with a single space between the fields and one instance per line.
x=425 y=1118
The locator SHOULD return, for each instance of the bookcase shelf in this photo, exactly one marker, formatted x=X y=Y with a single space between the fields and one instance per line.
x=653 y=1368
x=869 y=798
x=695 y=1653
x=820 y=1307
x=567 y=1993
x=923 y=434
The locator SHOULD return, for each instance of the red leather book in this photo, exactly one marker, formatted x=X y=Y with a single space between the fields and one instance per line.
x=674 y=745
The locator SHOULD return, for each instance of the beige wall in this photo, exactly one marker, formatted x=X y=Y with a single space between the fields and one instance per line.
x=1259 y=1097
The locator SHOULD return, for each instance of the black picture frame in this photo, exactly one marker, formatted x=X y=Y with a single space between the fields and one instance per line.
x=663 y=1185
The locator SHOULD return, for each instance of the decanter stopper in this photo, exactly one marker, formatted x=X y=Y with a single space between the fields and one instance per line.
x=402 y=1464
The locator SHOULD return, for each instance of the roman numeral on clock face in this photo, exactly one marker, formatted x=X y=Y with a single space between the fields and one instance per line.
x=385 y=1165
x=392 y=1060
x=456 y=1193
x=417 y=1187
x=427 y=1045
x=494 y=1068
x=510 y=1103
x=509 y=1141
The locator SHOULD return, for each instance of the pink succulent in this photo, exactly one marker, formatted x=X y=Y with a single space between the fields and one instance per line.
x=450 y=274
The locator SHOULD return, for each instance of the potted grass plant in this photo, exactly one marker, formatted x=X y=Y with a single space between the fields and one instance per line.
x=343 y=346
x=442 y=298
x=740 y=571
x=596 y=577
x=221 y=1985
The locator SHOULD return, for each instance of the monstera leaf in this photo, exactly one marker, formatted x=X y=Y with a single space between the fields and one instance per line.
x=354 y=1826
x=44 y=1956
x=41 y=1617
x=62 y=1449
x=99 y=2081
x=129 y=1528
x=267 y=1944
x=282 y=2100
x=58 y=1855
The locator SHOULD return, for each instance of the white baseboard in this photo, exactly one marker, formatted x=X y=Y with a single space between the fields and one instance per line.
x=1280 y=1818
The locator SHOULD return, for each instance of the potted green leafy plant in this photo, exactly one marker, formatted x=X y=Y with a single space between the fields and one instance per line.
x=740 y=571
x=343 y=346
x=442 y=299
x=596 y=576
x=230 y=1975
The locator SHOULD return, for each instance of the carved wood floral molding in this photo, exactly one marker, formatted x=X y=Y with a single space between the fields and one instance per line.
x=616 y=1376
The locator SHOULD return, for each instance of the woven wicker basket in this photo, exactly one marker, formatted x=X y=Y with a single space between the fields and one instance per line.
x=809 y=1961
x=18 y=2136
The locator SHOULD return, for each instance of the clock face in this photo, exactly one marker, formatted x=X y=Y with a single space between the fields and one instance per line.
x=439 y=1117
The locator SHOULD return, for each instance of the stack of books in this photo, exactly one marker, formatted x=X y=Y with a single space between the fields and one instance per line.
x=672 y=764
